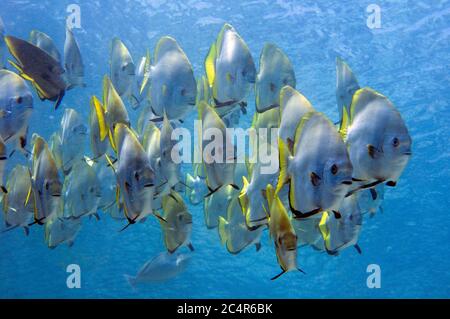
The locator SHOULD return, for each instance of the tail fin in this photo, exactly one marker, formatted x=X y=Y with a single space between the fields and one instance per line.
x=223 y=225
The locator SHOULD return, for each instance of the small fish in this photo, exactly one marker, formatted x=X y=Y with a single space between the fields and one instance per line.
x=73 y=139
x=82 y=191
x=308 y=232
x=46 y=185
x=252 y=197
x=346 y=86
x=370 y=200
x=108 y=189
x=60 y=230
x=196 y=189
x=216 y=205
x=275 y=72
x=135 y=177
x=177 y=226
x=41 y=69
x=16 y=106
x=230 y=70
x=233 y=231
x=173 y=88
x=341 y=233
x=122 y=68
x=282 y=233
x=17 y=211
x=378 y=141
x=73 y=62
x=166 y=166
x=219 y=168
x=44 y=42
x=161 y=268
x=318 y=171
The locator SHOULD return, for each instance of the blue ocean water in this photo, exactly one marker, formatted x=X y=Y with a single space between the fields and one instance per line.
x=407 y=59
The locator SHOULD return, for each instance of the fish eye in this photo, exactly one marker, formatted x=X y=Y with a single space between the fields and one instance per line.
x=136 y=175
x=47 y=185
x=334 y=169
x=180 y=217
x=395 y=142
x=91 y=189
x=183 y=92
x=19 y=100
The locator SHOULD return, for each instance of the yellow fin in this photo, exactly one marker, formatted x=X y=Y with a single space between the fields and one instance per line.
x=99 y=111
x=279 y=218
x=118 y=196
x=324 y=229
x=344 y=123
x=243 y=198
x=223 y=230
x=111 y=141
x=270 y=194
x=210 y=64
x=39 y=90
x=108 y=159
x=284 y=155
x=27 y=199
x=292 y=193
x=146 y=72
x=19 y=68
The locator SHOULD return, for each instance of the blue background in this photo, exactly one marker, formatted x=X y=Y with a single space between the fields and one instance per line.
x=408 y=60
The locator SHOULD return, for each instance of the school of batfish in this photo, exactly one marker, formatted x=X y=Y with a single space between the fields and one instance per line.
x=329 y=174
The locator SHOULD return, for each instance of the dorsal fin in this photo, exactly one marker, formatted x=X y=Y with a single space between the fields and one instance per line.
x=164 y=45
